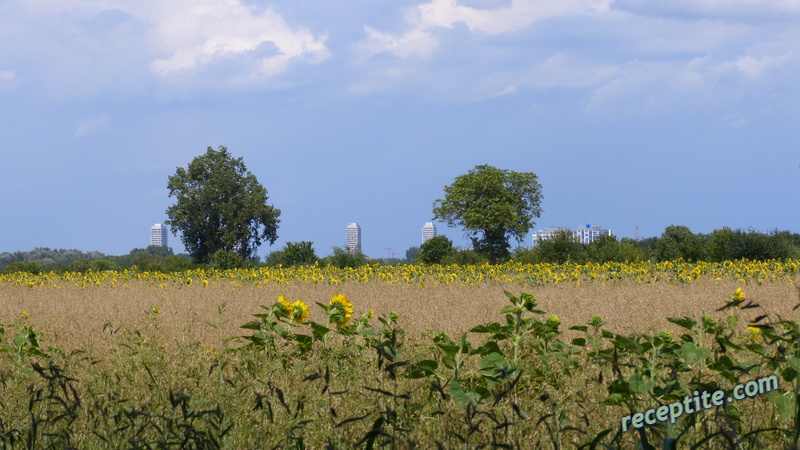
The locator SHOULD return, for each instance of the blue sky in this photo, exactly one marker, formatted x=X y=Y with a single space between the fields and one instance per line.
x=631 y=112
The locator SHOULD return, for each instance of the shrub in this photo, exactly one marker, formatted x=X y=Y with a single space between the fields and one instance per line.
x=435 y=250
x=33 y=267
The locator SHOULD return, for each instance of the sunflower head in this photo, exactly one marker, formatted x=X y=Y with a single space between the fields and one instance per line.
x=528 y=301
x=738 y=297
x=755 y=332
x=340 y=310
x=299 y=311
x=282 y=307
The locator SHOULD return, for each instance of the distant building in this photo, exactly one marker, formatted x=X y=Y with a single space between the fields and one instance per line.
x=158 y=235
x=588 y=234
x=428 y=231
x=353 y=241
x=545 y=234
x=585 y=235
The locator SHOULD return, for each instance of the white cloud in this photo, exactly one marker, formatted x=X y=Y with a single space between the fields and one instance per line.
x=166 y=37
x=645 y=87
x=195 y=33
x=7 y=78
x=560 y=71
x=753 y=67
x=91 y=125
x=712 y=8
x=414 y=42
x=703 y=83
x=379 y=80
x=419 y=40
x=508 y=90
x=520 y=14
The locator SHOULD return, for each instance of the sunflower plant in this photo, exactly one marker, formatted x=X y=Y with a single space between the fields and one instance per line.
x=23 y=346
x=340 y=310
x=279 y=318
x=517 y=326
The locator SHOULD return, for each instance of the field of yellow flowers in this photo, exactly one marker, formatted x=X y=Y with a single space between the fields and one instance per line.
x=531 y=275
x=400 y=356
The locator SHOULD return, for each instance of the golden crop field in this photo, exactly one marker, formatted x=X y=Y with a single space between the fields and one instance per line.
x=159 y=335
x=73 y=309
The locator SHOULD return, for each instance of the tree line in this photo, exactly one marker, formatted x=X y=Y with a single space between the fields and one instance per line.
x=162 y=259
x=676 y=242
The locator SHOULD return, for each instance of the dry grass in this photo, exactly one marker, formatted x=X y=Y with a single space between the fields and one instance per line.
x=74 y=318
x=126 y=380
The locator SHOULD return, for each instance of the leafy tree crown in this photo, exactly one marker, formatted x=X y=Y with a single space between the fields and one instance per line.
x=220 y=206
x=492 y=205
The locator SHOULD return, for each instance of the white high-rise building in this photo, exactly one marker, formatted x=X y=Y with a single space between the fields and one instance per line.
x=158 y=235
x=588 y=234
x=585 y=235
x=428 y=231
x=353 y=241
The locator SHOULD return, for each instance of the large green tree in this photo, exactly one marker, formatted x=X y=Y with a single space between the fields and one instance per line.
x=436 y=249
x=492 y=205
x=678 y=241
x=293 y=254
x=220 y=205
x=560 y=248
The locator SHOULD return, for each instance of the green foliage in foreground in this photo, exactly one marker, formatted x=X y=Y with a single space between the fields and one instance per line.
x=347 y=383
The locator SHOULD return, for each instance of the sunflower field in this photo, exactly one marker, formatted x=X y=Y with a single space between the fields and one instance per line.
x=409 y=356
x=522 y=274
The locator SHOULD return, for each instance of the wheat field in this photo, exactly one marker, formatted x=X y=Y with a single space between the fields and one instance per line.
x=78 y=318
x=148 y=360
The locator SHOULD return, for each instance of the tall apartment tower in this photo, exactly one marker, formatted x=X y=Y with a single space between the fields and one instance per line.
x=353 y=241
x=590 y=233
x=158 y=235
x=428 y=231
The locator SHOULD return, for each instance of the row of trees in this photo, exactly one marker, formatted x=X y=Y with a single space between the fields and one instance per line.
x=161 y=259
x=44 y=259
x=48 y=257
x=676 y=242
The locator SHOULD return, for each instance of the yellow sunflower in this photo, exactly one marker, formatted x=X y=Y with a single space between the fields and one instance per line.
x=738 y=297
x=299 y=312
x=755 y=332
x=340 y=310
x=282 y=307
